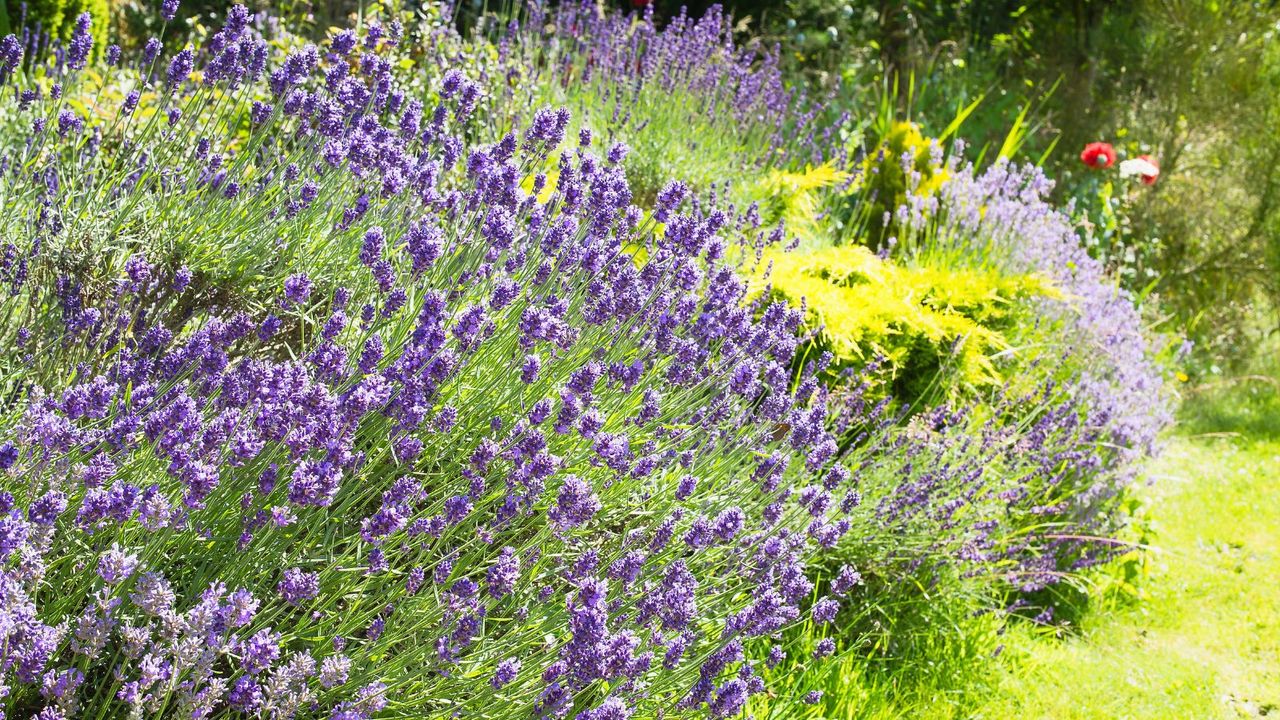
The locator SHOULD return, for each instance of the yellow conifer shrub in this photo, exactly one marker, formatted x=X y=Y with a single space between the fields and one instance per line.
x=928 y=323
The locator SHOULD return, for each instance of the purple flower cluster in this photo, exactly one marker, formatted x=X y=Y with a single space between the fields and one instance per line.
x=1004 y=212
x=1121 y=381
x=613 y=62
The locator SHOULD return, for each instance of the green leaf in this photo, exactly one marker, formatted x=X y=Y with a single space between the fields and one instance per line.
x=962 y=115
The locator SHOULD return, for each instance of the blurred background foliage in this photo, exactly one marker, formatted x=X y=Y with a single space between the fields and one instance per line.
x=1194 y=83
x=54 y=17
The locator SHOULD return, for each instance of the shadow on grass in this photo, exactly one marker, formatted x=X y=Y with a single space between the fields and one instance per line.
x=1247 y=406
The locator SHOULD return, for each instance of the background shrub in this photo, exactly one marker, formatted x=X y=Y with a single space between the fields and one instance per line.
x=56 y=17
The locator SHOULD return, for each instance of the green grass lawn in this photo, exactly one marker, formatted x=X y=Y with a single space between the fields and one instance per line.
x=1204 y=640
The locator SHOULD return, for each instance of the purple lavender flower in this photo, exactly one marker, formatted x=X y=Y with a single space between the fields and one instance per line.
x=260 y=112
x=686 y=486
x=297 y=288
x=150 y=51
x=530 y=368
x=548 y=126
x=60 y=687
x=371 y=249
x=728 y=523
x=575 y=504
x=504 y=574
x=669 y=198
x=334 y=671
x=180 y=67
x=314 y=483
x=245 y=695
x=260 y=651
x=242 y=606
x=507 y=671
x=153 y=595
x=69 y=123
x=824 y=648
x=269 y=326
x=115 y=566
x=846 y=579
x=81 y=43
x=10 y=54
x=8 y=455
x=825 y=610
x=298 y=586
x=612 y=708
x=139 y=272
x=46 y=508
x=729 y=699
x=343 y=42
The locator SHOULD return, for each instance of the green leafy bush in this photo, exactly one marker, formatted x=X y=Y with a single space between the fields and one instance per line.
x=57 y=17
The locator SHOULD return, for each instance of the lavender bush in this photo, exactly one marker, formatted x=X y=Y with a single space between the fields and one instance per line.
x=329 y=395
x=1001 y=217
x=686 y=95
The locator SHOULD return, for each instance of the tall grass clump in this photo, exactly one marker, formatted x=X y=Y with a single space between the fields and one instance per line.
x=327 y=393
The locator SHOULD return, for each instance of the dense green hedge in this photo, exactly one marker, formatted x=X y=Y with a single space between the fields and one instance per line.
x=56 y=16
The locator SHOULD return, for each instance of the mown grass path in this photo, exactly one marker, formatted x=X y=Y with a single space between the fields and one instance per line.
x=1204 y=642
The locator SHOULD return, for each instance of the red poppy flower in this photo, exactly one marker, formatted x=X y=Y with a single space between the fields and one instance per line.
x=1098 y=155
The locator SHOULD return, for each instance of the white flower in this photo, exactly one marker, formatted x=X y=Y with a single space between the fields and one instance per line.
x=1139 y=167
